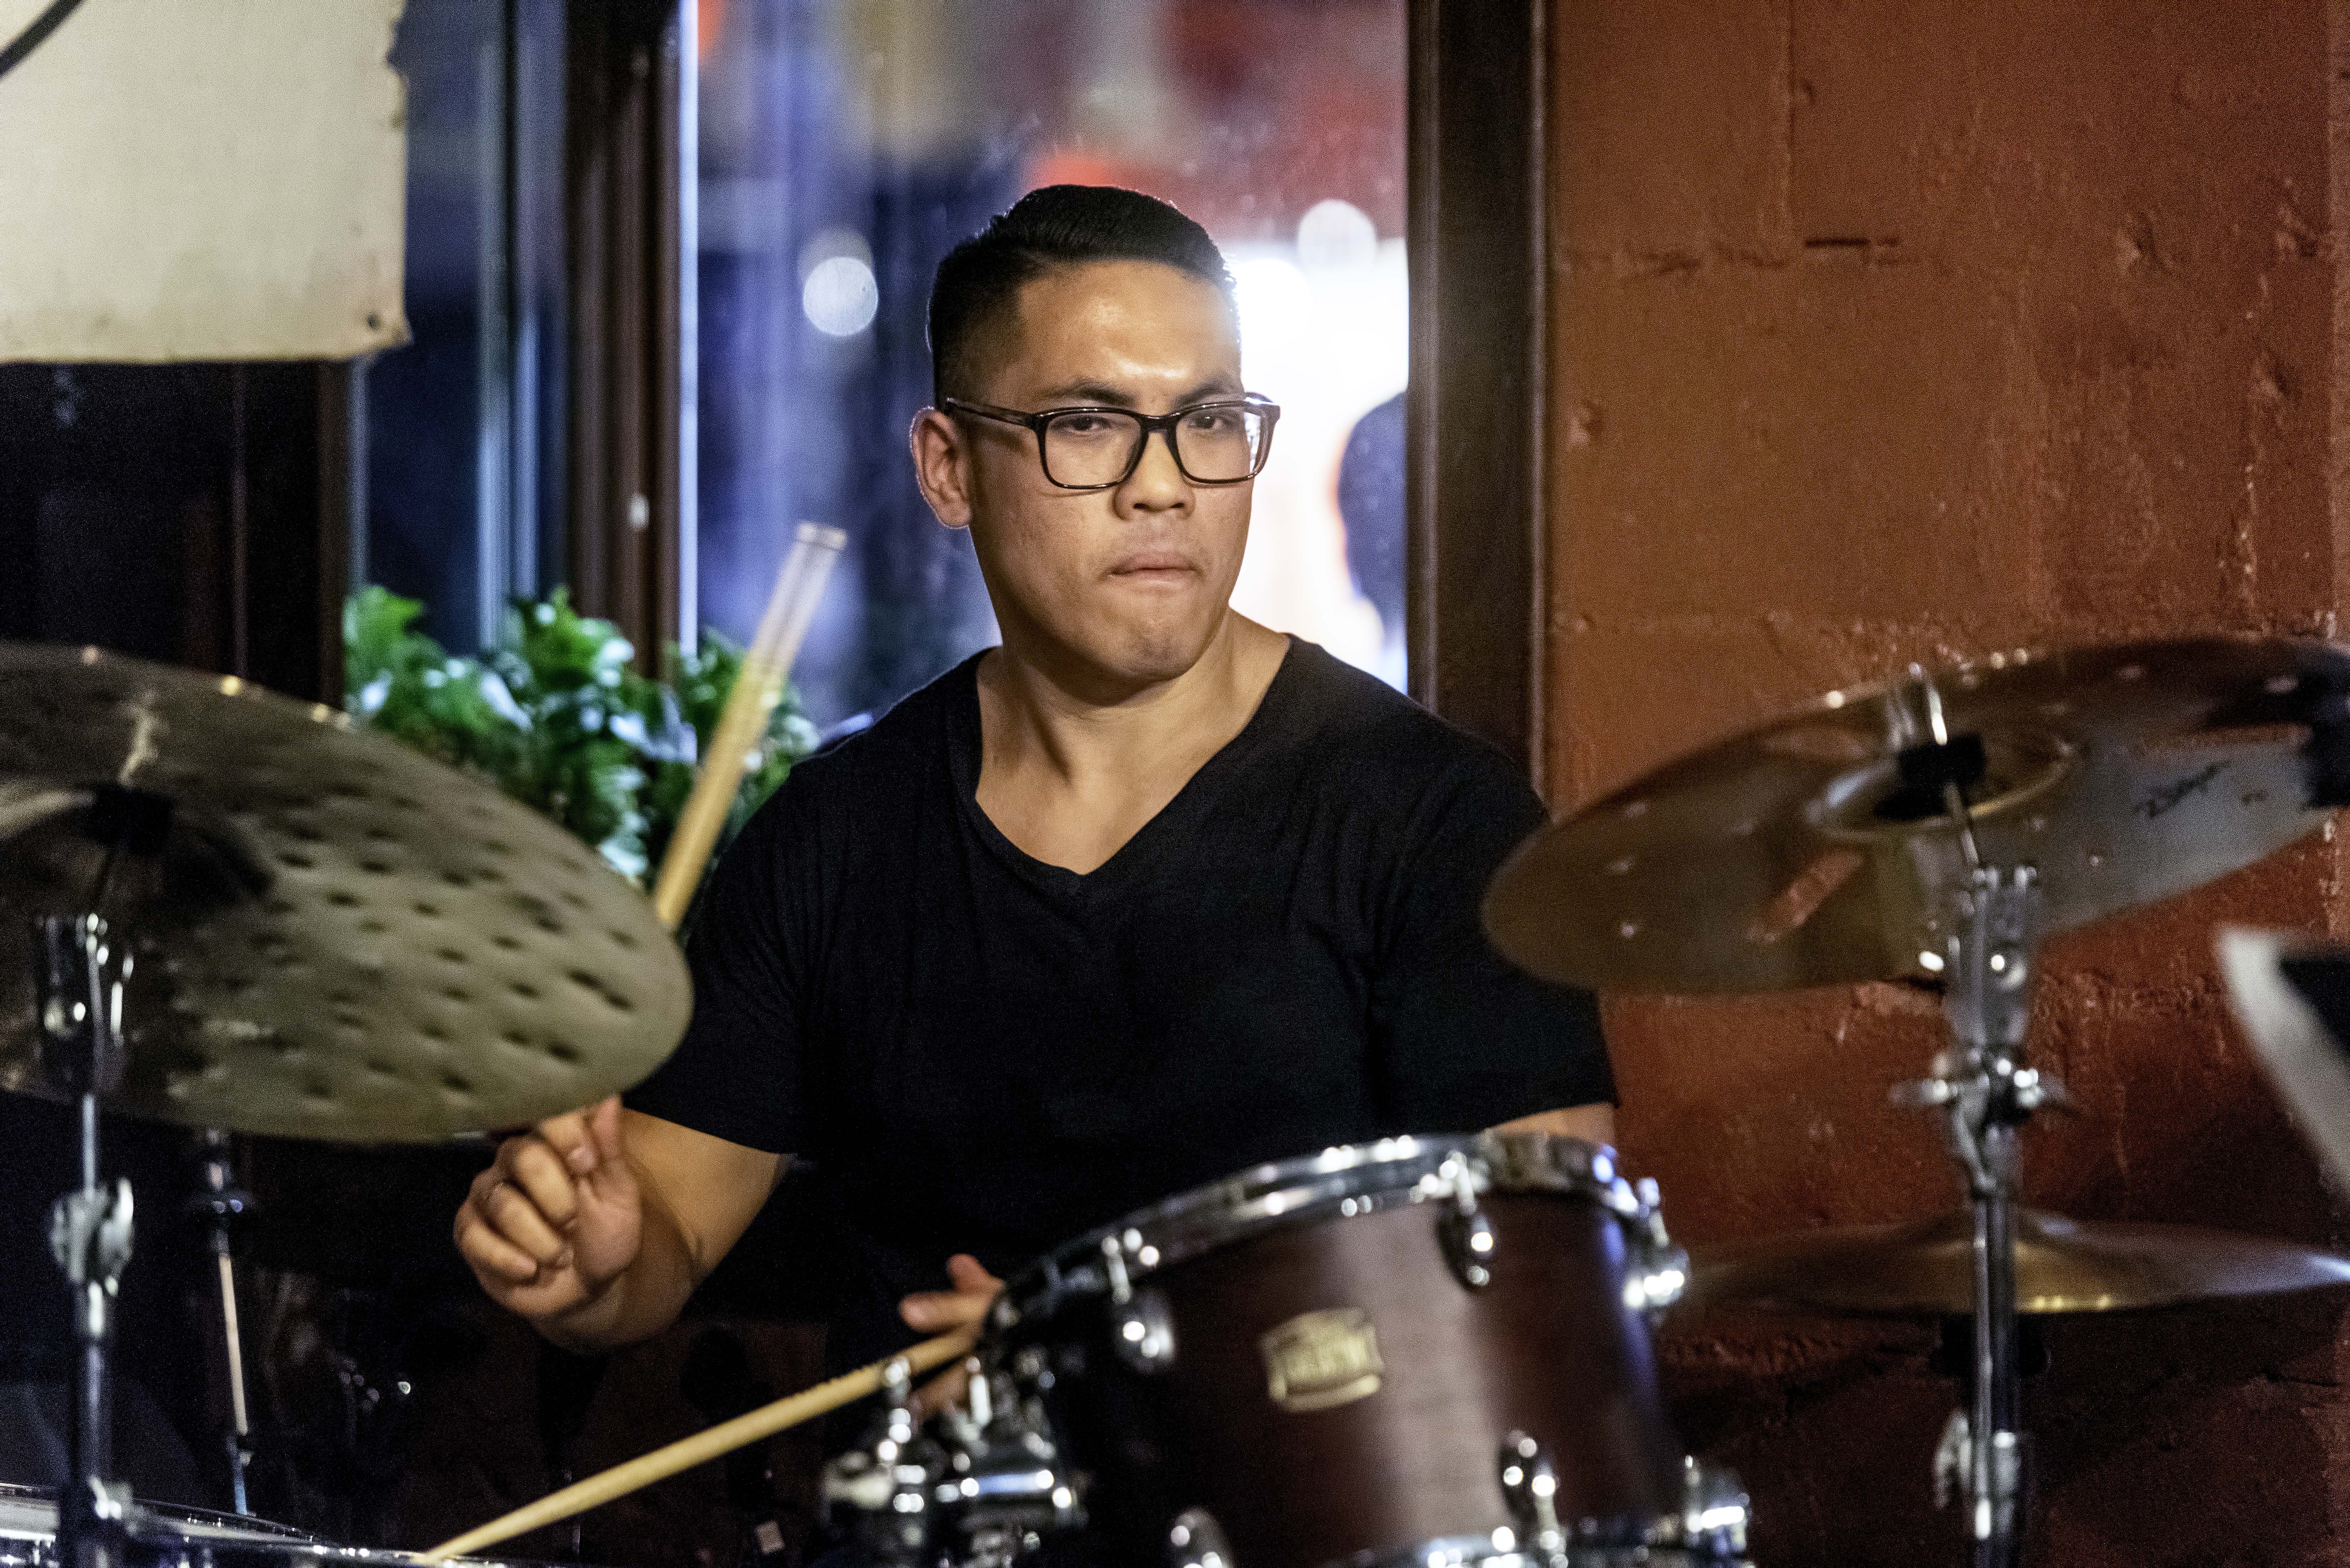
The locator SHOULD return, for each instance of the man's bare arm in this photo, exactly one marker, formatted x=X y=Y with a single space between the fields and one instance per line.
x=1594 y=1123
x=598 y=1225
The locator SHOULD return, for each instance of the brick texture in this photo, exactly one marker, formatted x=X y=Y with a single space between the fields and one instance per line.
x=1889 y=330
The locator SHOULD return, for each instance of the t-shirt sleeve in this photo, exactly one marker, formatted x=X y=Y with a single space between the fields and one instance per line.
x=1462 y=1038
x=737 y=1073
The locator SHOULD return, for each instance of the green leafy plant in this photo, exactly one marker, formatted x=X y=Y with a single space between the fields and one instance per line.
x=555 y=717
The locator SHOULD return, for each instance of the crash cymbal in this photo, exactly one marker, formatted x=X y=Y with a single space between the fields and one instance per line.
x=334 y=937
x=1796 y=854
x=1924 y=1268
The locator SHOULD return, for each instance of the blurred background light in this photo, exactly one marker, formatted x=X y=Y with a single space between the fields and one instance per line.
x=1335 y=235
x=840 y=296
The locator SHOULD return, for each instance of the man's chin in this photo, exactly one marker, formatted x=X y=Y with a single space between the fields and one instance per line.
x=1151 y=656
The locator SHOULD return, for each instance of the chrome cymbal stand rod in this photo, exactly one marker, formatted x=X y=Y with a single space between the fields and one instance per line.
x=221 y=1204
x=1987 y=1100
x=79 y=971
x=1986 y=1094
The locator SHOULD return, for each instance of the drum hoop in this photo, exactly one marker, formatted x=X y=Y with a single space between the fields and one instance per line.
x=153 y=1521
x=1346 y=1181
x=204 y=1536
x=1480 y=1552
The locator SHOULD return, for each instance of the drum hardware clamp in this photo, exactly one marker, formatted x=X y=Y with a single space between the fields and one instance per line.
x=982 y=1499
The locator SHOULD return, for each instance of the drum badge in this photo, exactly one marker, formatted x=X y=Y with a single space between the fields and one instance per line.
x=1321 y=1359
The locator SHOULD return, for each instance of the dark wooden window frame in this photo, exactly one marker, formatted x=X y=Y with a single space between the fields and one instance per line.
x=1475 y=414
x=625 y=87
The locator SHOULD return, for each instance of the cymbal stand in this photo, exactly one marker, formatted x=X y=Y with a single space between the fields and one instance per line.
x=1986 y=1095
x=220 y=1205
x=78 y=977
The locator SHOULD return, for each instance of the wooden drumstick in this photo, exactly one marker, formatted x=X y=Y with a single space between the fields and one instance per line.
x=799 y=583
x=702 y=1446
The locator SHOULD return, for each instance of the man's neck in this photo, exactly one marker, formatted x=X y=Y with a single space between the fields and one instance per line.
x=1070 y=771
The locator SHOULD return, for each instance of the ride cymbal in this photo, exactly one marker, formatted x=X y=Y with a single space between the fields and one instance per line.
x=1925 y=1268
x=1809 y=851
x=333 y=935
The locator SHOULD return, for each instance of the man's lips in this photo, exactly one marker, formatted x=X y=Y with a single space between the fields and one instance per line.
x=1148 y=565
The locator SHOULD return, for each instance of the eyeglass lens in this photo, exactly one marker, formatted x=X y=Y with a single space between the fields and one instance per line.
x=1216 y=445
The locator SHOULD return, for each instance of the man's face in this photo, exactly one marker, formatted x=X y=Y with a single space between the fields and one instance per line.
x=1127 y=584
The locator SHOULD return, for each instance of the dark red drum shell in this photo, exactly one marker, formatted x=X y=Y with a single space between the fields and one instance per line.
x=1547 y=1347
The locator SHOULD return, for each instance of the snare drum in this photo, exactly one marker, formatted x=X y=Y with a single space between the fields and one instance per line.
x=1414 y=1347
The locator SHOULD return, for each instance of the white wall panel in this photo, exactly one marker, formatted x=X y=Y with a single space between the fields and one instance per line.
x=201 y=180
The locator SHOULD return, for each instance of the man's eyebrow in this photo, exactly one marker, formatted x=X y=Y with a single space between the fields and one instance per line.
x=1213 y=386
x=1100 y=392
x=1103 y=394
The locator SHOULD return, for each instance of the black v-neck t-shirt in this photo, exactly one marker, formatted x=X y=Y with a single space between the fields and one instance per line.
x=984 y=1054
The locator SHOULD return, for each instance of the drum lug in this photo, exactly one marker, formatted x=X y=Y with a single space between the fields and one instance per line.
x=1121 y=1287
x=1529 y=1487
x=1462 y=1231
x=1714 y=1511
x=1657 y=1272
x=1196 y=1540
x=1468 y=1241
x=1143 y=1329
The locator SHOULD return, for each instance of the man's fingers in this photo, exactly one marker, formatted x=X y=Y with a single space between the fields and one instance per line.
x=604 y=1131
x=514 y=1194
x=941 y=1309
x=569 y=1135
x=545 y=1180
x=974 y=1291
x=485 y=1250
x=970 y=1275
x=512 y=1214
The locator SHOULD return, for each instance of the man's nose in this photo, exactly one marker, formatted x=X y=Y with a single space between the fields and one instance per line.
x=1156 y=484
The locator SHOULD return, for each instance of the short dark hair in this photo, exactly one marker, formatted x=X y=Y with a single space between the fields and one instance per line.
x=1055 y=226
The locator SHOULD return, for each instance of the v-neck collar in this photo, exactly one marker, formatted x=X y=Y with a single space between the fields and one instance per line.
x=1146 y=846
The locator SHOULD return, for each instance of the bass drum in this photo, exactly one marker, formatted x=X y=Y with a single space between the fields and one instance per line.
x=1420 y=1344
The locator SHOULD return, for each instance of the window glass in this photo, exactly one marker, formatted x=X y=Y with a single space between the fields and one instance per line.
x=458 y=434
x=847 y=145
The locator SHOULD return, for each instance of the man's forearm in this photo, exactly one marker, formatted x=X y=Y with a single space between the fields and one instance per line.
x=1594 y=1123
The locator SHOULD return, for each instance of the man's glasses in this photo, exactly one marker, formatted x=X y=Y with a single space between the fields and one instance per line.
x=1221 y=442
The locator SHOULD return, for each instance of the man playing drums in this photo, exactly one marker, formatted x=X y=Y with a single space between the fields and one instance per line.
x=1148 y=894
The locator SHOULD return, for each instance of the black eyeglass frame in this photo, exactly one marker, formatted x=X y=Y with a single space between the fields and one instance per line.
x=1164 y=423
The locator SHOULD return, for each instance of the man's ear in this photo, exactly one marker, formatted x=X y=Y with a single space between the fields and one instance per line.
x=941 y=467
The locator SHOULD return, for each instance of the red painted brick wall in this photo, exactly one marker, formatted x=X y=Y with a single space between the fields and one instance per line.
x=1889 y=331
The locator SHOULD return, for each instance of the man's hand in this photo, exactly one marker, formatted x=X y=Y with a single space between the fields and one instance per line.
x=558 y=1219
x=944 y=1312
